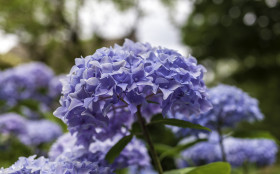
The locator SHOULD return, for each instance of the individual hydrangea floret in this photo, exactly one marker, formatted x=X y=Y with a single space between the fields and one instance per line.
x=109 y=85
x=12 y=124
x=40 y=131
x=261 y=152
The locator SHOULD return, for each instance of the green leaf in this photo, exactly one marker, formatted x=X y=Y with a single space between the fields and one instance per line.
x=149 y=101
x=161 y=148
x=180 y=171
x=173 y=152
x=212 y=168
x=179 y=123
x=117 y=148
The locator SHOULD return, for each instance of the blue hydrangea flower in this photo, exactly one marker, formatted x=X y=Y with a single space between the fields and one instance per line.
x=107 y=86
x=230 y=106
x=32 y=81
x=134 y=154
x=65 y=143
x=41 y=131
x=12 y=124
x=261 y=152
x=65 y=165
x=26 y=81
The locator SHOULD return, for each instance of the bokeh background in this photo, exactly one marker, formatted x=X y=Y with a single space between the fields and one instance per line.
x=238 y=41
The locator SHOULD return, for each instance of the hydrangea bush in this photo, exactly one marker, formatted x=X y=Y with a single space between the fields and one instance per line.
x=107 y=94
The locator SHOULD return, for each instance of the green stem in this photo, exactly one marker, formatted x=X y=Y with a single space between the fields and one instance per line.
x=245 y=168
x=222 y=144
x=149 y=140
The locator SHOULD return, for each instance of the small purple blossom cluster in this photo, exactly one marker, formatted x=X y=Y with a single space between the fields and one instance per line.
x=29 y=132
x=66 y=157
x=134 y=154
x=43 y=165
x=103 y=91
x=230 y=106
x=261 y=152
x=31 y=81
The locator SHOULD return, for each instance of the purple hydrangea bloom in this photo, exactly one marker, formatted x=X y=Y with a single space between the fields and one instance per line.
x=261 y=152
x=65 y=143
x=26 y=81
x=107 y=86
x=66 y=164
x=134 y=154
x=40 y=131
x=12 y=124
x=230 y=106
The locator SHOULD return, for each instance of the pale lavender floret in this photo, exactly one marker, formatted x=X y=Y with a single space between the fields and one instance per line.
x=230 y=106
x=12 y=124
x=41 y=131
x=112 y=82
x=261 y=152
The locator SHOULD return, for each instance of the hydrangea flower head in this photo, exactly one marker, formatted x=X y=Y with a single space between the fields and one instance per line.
x=40 y=131
x=11 y=123
x=230 y=106
x=110 y=84
x=134 y=154
x=26 y=81
x=261 y=152
x=64 y=164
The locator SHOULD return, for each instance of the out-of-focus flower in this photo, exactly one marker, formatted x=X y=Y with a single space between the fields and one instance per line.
x=40 y=131
x=107 y=86
x=32 y=85
x=261 y=152
x=27 y=131
x=65 y=143
x=26 y=81
x=134 y=154
x=12 y=124
x=230 y=106
x=55 y=86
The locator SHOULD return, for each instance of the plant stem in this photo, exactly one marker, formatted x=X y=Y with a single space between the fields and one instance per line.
x=245 y=168
x=149 y=140
x=222 y=144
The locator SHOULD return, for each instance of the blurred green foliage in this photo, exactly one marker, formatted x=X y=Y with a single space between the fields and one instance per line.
x=246 y=32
